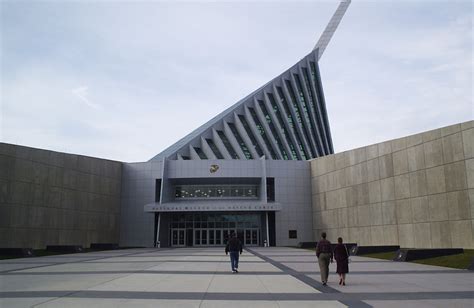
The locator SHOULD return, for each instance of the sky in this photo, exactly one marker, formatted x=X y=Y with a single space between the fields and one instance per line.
x=124 y=80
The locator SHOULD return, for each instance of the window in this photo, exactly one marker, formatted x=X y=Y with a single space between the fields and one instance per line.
x=307 y=111
x=298 y=114
x=308 y=86
x=302 y=98
x=284 y=132
x=293 y=101
x=313 y=71
x=216 y=191
x=270 y=189
x=313 y=103
x=200 y=153
x=273 y=129
x=292 y=234
x=214 y=149
x=292 y=124
x=245 y=124
x=227 y=144
x=262 y=132
x=241 y=142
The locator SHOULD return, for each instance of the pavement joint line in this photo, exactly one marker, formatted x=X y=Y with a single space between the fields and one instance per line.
x=207 y=289
x=313 y=283
x=268 y=291
x=177 y=261
x=263 y=273
x=61 y=263
x=342 y=297
x=52 y=299
x=88 y=288
x=351 y=262
x=351 y=299
x=172 y=272
x=309 y=281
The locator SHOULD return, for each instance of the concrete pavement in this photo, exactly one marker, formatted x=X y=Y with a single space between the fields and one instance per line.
x=201 y=277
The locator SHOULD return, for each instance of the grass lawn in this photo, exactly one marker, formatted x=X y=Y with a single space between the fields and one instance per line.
x=461 y=261
x=381 y=255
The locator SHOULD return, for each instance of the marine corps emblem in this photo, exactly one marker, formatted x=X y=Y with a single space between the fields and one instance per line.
x=214 y=168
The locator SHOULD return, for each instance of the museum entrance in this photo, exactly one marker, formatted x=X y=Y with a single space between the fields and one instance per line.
x=219 y=237
x=214 y=229
x=178 y=237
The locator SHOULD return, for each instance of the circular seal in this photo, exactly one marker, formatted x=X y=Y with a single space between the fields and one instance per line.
x=214 y=168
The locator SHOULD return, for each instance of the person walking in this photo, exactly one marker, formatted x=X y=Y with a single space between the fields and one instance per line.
x=342 y=258
x=233 y=247
x=324 y=254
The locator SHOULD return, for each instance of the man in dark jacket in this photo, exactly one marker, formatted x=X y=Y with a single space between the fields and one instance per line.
x=324 y=254
x=234 y=246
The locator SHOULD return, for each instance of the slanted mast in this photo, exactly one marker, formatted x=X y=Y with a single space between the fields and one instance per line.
x=331 y=27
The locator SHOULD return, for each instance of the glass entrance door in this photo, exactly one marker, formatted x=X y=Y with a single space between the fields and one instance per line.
x=214 y=229
x=212 y=237
x=219 y=237
x=251 y=237
x=178 y=237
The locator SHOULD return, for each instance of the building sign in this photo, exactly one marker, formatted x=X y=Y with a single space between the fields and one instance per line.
x=176 y=207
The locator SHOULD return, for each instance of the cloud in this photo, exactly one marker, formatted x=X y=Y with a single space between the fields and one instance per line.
x=125 y=80
x=82 y=93
x=409 y=74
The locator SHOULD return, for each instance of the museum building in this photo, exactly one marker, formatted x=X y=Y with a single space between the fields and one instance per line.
x=264 y=169
x=244 y=171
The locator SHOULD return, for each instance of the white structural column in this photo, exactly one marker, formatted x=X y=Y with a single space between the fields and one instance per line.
x=323 y=106
x=284 y=115
x=317 y=102
x=297 y=125
x=164 y=178
x=193 y=154
x=306 y=123
x=311 y=105
x=244 y=135
x=207 y=149
x=220 y=144
x=233 y=141
x=277 y=126
x=263 y=197
x=268 y=133
x=158 y=231
x=268 y=233
x=256 y=132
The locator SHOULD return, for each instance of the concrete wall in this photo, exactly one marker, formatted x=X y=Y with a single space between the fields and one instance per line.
x=416 y=191
x=293 y=191
x=138 y=189
x=51 y=198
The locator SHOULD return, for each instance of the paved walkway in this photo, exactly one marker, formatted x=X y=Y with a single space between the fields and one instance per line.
x=201 y=277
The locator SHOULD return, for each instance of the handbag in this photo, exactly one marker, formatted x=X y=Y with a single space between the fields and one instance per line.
x=348 y=255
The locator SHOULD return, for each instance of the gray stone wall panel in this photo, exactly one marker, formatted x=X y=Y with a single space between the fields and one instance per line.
x=419 y=191
x=49 y=198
